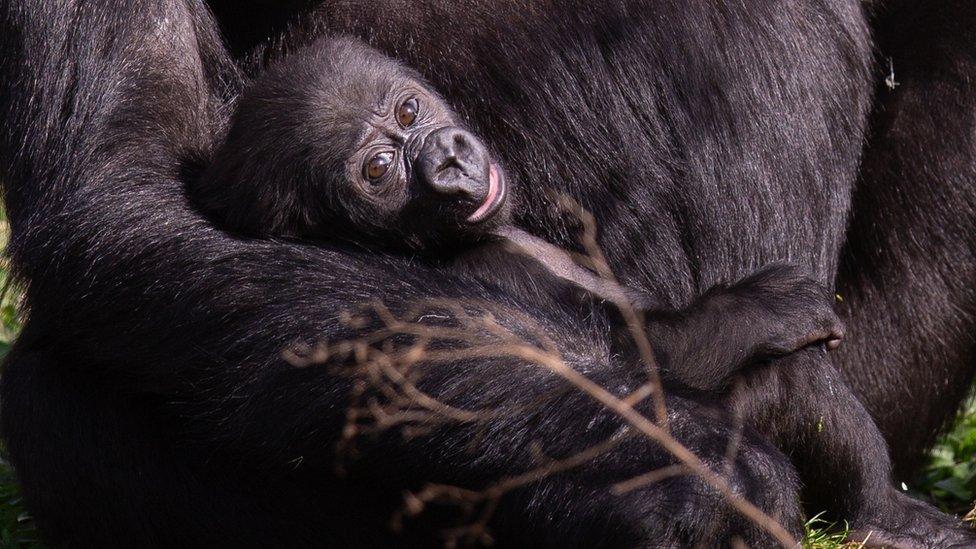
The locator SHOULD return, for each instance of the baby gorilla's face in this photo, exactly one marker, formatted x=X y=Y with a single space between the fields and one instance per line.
x=411 y=175
x=339 y=141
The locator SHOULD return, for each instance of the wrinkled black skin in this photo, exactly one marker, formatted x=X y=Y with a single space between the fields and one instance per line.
x=151 y=357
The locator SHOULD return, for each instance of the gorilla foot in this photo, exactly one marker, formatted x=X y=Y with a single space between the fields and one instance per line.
x=915 y=525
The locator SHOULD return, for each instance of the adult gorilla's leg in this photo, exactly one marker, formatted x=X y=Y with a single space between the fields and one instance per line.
x=804 y=407
x=909 y=265
x=102 y=467
x=159 y=339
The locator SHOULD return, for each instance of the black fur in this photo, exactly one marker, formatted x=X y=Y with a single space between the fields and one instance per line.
x=151 y=358
x=908 y=267
x=307 y=115
x=185 y=424
x=712 y=140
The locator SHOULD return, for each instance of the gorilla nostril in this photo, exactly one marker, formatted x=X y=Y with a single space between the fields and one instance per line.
x=453 y=163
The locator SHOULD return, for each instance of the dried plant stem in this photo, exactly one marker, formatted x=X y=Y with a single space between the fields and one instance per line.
x=633 y=319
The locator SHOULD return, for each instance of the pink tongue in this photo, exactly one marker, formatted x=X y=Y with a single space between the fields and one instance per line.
x=490 y=199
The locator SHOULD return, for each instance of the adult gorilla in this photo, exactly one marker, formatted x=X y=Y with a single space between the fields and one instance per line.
x=147 y=401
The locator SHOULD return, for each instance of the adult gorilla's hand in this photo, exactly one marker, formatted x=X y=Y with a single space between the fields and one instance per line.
x=154 y=342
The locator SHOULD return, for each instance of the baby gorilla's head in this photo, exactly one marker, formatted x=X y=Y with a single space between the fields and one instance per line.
x=340 y=141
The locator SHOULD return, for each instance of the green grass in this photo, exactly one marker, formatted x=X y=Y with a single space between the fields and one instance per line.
x=16 y=527
x=820 y=534
x=949 y=480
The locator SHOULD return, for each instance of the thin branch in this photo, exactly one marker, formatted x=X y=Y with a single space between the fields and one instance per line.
x=649 y=478
x=633 y=319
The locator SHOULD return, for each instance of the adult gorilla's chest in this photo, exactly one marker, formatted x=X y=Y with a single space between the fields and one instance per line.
x=707 y=139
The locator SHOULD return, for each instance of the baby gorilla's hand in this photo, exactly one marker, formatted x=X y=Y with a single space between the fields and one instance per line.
x=774 y=312
x=782 y=310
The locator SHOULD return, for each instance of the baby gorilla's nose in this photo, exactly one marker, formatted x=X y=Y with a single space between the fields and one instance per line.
x=454 y=163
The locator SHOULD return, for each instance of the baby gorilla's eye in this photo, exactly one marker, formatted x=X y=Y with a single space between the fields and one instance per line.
x=407 y=112
x=377 y=166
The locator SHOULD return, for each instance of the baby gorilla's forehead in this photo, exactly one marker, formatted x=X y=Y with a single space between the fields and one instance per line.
x=364 y=97
x=351 y=104
x=358 y=87
x=358 y=76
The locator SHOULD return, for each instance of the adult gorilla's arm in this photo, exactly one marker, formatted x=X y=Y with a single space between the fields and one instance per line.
x=105 y=104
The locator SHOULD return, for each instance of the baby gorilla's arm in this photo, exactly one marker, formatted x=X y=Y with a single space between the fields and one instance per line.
x=558 y=262
x=773 y=312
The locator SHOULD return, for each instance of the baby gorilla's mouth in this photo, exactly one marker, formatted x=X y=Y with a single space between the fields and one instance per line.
x=493 y=199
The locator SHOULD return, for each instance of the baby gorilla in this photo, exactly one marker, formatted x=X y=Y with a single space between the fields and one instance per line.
x=338 y=142
x=341 y=143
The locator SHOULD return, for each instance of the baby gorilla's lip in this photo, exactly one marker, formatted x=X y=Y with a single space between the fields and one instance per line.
x=494 y=199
